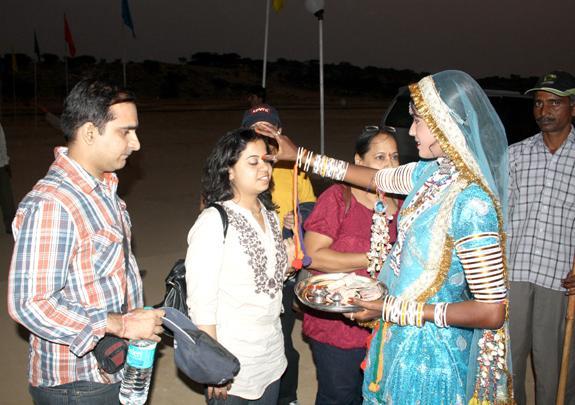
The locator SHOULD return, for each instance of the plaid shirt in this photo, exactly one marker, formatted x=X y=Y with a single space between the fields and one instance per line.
x=541 y=211
x=67 y=271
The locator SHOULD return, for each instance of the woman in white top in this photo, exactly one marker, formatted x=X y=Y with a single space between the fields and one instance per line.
x=235 y=282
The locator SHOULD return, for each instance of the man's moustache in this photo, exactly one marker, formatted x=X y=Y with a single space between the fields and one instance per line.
x=544 y=120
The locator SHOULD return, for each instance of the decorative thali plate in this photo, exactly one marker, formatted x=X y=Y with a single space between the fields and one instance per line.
x=331 y=292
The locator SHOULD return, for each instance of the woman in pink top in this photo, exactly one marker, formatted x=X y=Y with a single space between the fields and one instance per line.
x=337 y=238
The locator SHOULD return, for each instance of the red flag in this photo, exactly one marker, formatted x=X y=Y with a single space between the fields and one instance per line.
x=68 y=38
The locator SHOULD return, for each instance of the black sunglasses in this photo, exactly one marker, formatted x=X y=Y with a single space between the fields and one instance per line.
x=377 y=128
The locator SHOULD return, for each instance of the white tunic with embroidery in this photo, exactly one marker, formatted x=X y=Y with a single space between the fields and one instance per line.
x=237 y=286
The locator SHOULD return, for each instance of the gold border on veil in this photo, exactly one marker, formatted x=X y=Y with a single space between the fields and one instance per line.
x=464 y=170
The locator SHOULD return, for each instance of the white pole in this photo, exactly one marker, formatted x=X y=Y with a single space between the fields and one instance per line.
x=321 y=95
x=265 y=62
x=316 y=7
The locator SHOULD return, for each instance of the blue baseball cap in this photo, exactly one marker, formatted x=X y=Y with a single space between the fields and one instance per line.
x=262 y=112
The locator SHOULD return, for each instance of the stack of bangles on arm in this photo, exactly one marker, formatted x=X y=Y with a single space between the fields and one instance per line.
x=396 y=180
x=321 y=165
x=410 y=313
x=483 y=267
x=402 y=312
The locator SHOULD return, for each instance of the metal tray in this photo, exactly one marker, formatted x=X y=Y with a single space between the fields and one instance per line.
x=312 y=292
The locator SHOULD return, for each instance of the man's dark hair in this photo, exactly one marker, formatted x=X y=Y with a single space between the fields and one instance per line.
x=216 y=185
x=90 y=101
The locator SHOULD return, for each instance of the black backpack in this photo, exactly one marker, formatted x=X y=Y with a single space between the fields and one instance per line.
x=176 y=292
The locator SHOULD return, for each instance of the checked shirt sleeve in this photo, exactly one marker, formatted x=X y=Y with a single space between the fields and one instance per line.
x=42 y=295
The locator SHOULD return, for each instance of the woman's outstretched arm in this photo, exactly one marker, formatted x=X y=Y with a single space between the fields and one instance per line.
x=396 y=180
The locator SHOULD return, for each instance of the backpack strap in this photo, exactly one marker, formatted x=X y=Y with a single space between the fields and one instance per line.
x=223 y=215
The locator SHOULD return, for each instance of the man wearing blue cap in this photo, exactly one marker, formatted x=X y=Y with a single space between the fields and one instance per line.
x=541 y=244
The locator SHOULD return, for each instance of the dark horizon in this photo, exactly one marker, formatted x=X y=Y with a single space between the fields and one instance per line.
x=487 y=38
x=229 y=76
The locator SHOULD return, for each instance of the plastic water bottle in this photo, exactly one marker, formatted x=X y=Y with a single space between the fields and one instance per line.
x=137 y=372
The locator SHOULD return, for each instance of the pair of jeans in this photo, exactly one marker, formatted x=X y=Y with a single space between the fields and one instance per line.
x=76 y=393
x=339 y=374
x=289 y=379
x=269 y=397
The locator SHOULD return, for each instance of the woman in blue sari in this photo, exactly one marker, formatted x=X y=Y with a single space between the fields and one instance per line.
x=441 y=335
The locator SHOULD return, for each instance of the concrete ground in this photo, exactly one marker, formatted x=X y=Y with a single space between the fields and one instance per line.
x=161 y=187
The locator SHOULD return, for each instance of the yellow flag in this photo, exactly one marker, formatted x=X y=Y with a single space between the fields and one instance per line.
x=278 y=5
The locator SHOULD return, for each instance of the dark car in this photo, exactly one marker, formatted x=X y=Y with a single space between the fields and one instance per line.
x=514 y=109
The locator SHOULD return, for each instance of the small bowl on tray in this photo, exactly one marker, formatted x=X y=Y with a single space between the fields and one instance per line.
x=330 y=292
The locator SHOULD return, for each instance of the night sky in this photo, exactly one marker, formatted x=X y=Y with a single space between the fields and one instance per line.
x=487 y=37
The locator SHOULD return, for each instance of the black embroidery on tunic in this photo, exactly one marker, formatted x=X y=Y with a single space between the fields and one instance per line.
x=257 y=259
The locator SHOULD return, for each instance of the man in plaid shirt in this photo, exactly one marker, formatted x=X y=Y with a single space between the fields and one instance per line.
x=542 y=239
x=68 y=276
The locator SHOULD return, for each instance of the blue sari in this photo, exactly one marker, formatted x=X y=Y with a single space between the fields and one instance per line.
x=432 y=365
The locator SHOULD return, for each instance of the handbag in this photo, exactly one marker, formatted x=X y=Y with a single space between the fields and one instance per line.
x=111 y=351
x=176 y=288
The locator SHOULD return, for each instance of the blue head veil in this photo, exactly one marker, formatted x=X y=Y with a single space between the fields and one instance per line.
x=468 y=129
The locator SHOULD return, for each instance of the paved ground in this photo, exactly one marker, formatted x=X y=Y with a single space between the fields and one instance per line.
x=161 y=187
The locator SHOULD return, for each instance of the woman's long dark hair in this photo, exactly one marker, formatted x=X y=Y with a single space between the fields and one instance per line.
x=216 y=184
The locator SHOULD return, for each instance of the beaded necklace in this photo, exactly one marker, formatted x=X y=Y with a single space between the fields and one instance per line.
x=379 y=245
x=424 y=198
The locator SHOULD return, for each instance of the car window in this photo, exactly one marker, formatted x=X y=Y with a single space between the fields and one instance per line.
x=516 y=114
x=399 y=114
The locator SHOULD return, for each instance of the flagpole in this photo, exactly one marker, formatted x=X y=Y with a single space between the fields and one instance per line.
x=36 y=60
x=126 y=21
x=66 y=72
x=265 y=62
x=13 y=92
x=316 y=7
x=66 y=46
x=124 y=54
x=35 y=94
